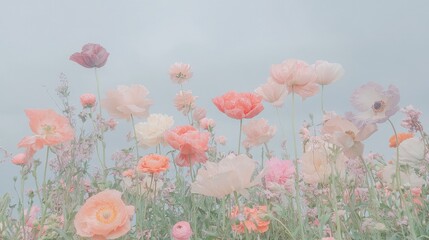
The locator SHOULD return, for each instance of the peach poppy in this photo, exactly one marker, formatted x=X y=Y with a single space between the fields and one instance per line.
x=401 y=137
x=153 y=163
x=126 y=101
x=239 y=105
x=49 y=128
x=250 y=219
x=297 y=75
x=273 y=92
x=327 y=72
x=316 y=167
x=104 y=216
x=191 y=143
x=257 y=132
x=91 y=56
x=180 y=72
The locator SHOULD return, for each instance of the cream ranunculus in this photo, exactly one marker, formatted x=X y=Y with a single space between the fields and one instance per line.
x=233 y=173
x=151 y=132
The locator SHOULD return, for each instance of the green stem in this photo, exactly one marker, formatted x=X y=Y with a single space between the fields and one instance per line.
x=323 y=109
x=239 y=137
x=44 y=200
x=98 y=91
x=135 y=137
x=22 y=202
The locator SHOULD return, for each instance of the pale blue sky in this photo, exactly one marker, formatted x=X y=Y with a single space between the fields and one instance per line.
x=230 y=45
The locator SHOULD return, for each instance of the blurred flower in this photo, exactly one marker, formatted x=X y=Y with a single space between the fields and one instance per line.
x=327 y=72
x=129 y=173
x=92 y=55
x=412 y=152
x=220 y=140
x=151 y=133
x=273 y=92
x=401 y=137
x=153 y=163
x=126 y=101
x=374 y=105
x=207 y=123
x=280 y=172
x=198 y=114
x=250 y=219
x=297 y=75
x=239 y=105
x=257 y=132
x=20 y=159
x=49 y=128
x=184 y=102
x=316 y=167
x=181 y=231
x=87 y=100
x=191 y=143
x=409 y=179
x=32 y=216
x=233 y=173
x=412 y=121
x=104 y=216
x=180 y=72
x=345 y=134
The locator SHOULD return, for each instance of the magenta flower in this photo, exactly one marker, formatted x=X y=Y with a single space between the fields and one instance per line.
x=374 y=104
x=92 y=55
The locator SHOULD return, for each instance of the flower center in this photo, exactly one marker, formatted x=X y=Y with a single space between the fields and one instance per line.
x=106 y=214
x=180 y=75
x=48 y=129
x=378 y=106
x=351 y=134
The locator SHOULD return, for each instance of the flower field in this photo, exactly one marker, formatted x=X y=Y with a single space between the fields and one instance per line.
x=177 y=181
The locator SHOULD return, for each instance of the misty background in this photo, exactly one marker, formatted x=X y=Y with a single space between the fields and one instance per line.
x=230 y=46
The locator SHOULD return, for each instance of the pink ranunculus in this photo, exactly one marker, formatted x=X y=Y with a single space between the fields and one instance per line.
x=20 y=159
x=49 y=128
x=345 y=134
x=327 y=72
x=104 y=216
x=297 y=75
x=87 y=100
x=233 y=173
x=257 y=132
x=126 y=101
x=184 y=102
x=180 y=72
x=280 y=172
x=207 y=123
x=181 y=231
x=191 y=143
x=239 y=105
x=92 y=55
x=273 y=92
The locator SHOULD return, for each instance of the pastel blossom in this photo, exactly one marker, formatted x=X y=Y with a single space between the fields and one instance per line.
x=126 y=101
x=412 y=152
x=151 y=133
x=181 y=231
x=88 y=100
x=220 y=140
x=104 y=216
x=345 y=134
x=232 y=173
x=239 y=105
x=20 y=159
x=191 y=143
x=374 y=104
x=250 y=219
x=257 y=132
x=91 y=56
x=280 y=173
x=207 y=123
x=409 y=178
x=327 y=73
x=184 y=102
x=297 y=75
x=273 y=92
x=412 y=120
x=153 y=163
x=49 y=128
x=316 y=166
x=401 y=137
x=199 y=113
x=180 y=72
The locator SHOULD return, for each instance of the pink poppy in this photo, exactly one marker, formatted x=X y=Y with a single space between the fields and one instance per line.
x=104 y=216
x=49 y=128
x=191 y=143
x=239 y=105
x=327 y=72
x=181 y=231
x=180 y=72
x=345 y=134
x=126 y=101
x=87 y=100
x=257 y=132
x=297 y=75
x=92 y=55
x=273 y=92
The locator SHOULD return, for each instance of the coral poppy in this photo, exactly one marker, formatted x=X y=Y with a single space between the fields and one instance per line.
x=239 y=105
x=401 y=137
x=250 y=219
x=153 y=163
